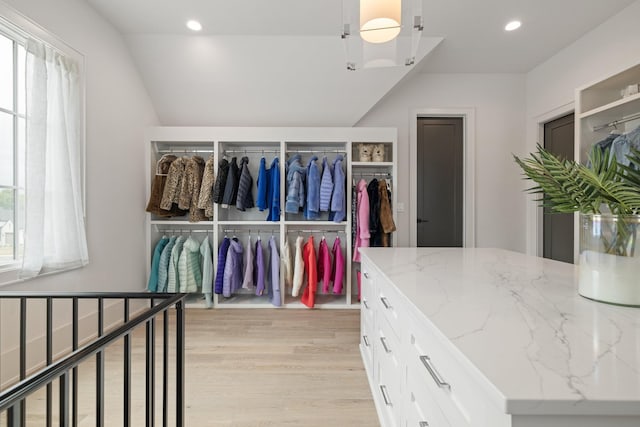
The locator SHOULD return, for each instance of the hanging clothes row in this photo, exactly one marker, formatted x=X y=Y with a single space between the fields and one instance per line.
x=304 y=269
x=621 y=144
x=371 y=215
x=248 y=268
x=234 y=186
x=182 y=264
x=182 y=185
x=313 y=191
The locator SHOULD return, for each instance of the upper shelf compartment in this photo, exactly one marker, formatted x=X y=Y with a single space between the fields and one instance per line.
x=372 y=154
x=608 y=96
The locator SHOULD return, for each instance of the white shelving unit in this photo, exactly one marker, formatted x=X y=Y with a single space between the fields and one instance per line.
x=601 y=108
x=282 y=142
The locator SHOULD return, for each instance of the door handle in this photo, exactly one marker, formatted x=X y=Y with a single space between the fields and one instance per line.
x=420 y=220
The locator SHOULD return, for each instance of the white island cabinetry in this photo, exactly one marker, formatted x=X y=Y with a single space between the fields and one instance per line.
x=487 y=337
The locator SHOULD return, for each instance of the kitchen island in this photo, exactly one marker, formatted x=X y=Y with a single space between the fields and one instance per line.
x=489 y=337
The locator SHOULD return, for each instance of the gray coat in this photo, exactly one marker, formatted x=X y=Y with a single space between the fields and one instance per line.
x=244 y=200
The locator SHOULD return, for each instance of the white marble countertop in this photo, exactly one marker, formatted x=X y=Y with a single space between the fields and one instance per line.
x=520 y=321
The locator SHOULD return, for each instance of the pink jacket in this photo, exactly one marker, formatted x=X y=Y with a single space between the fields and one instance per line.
x=362 y=220
x=338 y=267
x=324 y=265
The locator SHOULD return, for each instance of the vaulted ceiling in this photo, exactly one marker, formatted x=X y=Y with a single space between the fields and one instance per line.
x=281 y=62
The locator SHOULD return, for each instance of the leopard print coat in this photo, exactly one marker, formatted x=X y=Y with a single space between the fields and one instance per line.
x=190 y=188
x=205 y=201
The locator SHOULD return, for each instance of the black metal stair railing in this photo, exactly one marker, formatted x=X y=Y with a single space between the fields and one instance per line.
x=65 y=370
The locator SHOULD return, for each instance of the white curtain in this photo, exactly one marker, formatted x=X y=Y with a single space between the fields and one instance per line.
x=54 y=226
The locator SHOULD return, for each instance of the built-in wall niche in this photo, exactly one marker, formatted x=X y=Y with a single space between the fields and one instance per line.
x=253 y=152
x=335 y=291
x=374 y=153
x=608 y=106
x=299 y=156
x=159 y=161
x=252 y=293
x=284 y=143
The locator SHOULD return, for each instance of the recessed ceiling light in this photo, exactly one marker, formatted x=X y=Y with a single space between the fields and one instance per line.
x=513 y=25
x=194 y=25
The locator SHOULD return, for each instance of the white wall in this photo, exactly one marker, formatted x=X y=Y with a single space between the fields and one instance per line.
x=498 y=100
x=607 y=49
x=118 y=111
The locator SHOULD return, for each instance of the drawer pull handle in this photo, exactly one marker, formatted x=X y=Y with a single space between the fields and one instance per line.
x=366 y=340
x=385 y=302
x=383 y=389
x=366 y=275
x=364 y=302
x=383 y=340
x=423 y=424
x=426 y=361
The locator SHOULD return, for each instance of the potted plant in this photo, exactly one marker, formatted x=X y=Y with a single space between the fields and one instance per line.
x=607 y=196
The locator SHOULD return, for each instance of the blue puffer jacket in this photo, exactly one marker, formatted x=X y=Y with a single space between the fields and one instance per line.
x=312 y=208
x=295 y=185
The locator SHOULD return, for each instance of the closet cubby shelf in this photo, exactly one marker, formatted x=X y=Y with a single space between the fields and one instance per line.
x=617 y=109
x=372 y=164
x=273 y=142
x=600 y=109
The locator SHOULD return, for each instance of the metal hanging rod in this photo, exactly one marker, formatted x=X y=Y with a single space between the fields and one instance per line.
x=181 y=231
x=186 y=150
x=315 y=231
x=251 y=151
x=385 y=174
x=617 y=122
x=316 y=151
x=249 y=231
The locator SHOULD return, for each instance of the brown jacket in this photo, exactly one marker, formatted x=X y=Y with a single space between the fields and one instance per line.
x=205 y=201
x=173 y=183
x=157 y=189
x=190 y=188
x=386 y=215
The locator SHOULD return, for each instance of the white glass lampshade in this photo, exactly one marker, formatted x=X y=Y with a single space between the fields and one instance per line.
x=380 y=20
x=381 y=33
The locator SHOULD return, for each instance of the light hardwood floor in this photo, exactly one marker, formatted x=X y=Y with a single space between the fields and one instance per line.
x=247 y=368
x=276 y=368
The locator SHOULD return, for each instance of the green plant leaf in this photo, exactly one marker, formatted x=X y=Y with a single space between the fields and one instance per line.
x=567 y=186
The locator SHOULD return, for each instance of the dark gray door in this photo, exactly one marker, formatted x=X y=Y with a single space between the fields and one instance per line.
x=440 y=177
x=558 y=228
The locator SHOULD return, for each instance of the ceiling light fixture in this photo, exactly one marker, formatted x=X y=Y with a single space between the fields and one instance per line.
x=513 y=25
x=381 y=33
x=380 y=20
x=194 y=25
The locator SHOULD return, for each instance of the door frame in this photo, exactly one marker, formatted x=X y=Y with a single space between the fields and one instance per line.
x=468 y=116
x=535 y=240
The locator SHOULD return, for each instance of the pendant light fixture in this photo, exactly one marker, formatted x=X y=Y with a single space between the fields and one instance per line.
x=381 y=33
x=380 y=20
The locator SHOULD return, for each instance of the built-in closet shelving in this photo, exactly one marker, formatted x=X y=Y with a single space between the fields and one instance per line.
x=254 y=143
x=601 y=109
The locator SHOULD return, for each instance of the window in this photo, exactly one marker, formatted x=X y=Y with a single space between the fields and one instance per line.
x=12 y=149
x=42 y=224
